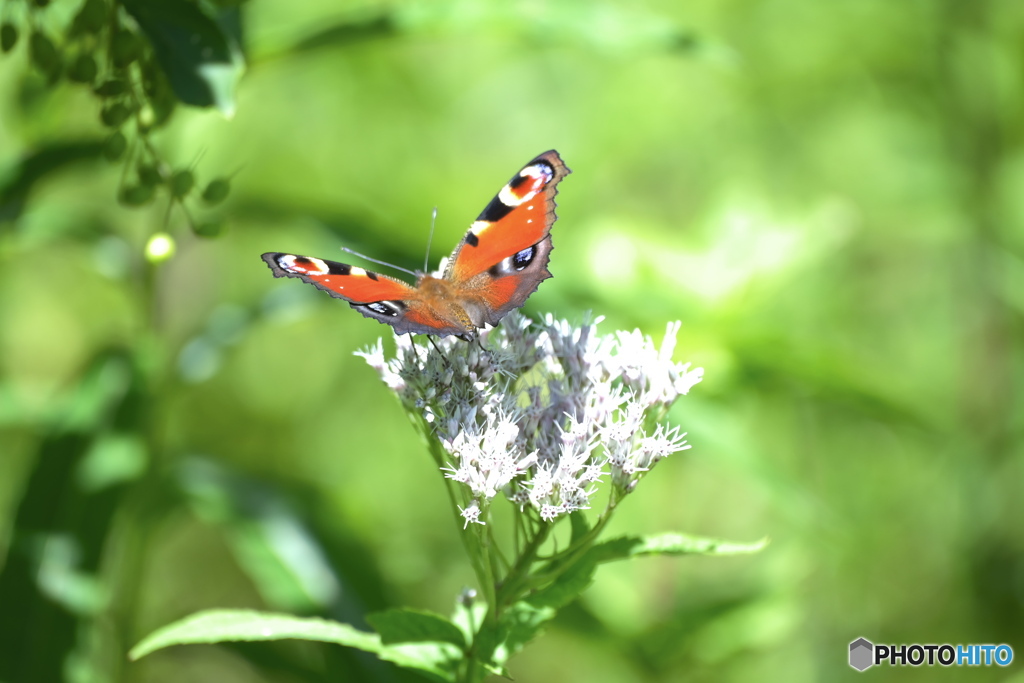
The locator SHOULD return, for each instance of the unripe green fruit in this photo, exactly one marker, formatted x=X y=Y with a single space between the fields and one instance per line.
x=149 y=174
x=8 y=36
x=135 y=195
x=113 y=115
x=114 y=147
x=217 y=191
x=83 y=69
x=160 y=248
x=125 y=48
x=209 y=229
x=112 y=87
x=92 y=16
x=43 y=53
x=182 y=182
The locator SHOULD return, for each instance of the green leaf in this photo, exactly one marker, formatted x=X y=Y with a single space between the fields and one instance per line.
x=409 y=626
x=580 y=525
x=669 y=544
x=218 y=626
x=521 y=623
x=568 y=586
x=202 y=63
x=271 y=541
x=19 y=181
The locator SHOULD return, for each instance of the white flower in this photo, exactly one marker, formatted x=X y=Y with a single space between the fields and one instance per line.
x=542 y=411
x=471 y=514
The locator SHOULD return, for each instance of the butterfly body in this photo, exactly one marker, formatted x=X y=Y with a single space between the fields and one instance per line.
x=497 y=265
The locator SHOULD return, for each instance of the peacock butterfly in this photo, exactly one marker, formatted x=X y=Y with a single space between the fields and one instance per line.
x=502 y=260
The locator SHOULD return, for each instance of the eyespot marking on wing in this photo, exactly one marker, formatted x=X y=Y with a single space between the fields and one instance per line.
x=514 y=263
x=391 y=309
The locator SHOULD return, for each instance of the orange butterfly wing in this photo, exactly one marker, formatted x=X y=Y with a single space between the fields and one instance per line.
x=383 y=298
x=519 y=216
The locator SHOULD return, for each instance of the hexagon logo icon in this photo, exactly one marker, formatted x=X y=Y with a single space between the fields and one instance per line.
x=861 y=654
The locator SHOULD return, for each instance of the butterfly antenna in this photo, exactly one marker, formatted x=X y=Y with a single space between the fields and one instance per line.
x=430 y=238
x=377 y=261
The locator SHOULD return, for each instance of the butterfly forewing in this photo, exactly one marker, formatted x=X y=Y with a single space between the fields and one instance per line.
x=519 y=217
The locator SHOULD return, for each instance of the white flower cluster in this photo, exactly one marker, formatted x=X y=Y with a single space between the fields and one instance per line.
x=540 y=412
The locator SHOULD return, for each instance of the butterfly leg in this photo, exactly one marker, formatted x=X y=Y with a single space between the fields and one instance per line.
x=438 y=349
x=414 y=345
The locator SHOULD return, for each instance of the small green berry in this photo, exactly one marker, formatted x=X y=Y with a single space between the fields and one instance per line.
x=8 y=36
x=83 y=69
x=182 y=182
x=112 y=87
x=43 y=53
x=135 y=195
x=209 y=229
x=160 y=247
x=114 y=147
x=217 y=191
x=92 y=16
x=149 y=174
x=125 y=48
x=113 y=115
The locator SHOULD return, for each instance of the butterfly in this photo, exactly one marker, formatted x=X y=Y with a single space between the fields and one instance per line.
x=501 y=261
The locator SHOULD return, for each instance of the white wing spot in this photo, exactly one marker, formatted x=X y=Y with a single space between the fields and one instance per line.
x=356 y=270
x=478 y=227
x=315 y=265
x=508 y=198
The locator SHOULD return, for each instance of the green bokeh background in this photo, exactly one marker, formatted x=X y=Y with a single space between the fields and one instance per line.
x=827 y=194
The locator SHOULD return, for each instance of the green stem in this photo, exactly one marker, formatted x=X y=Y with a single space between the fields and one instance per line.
x=469 y=540
x=509 y=591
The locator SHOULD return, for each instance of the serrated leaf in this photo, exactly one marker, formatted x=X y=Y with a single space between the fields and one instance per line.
x=411 y=626
x=218 y=626
x=567 y=587
x=669 y=544
x=201 y=62
x=521 y=623
x=580 y=525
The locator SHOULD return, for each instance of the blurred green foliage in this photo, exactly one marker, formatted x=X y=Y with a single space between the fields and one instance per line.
x=827 y=194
